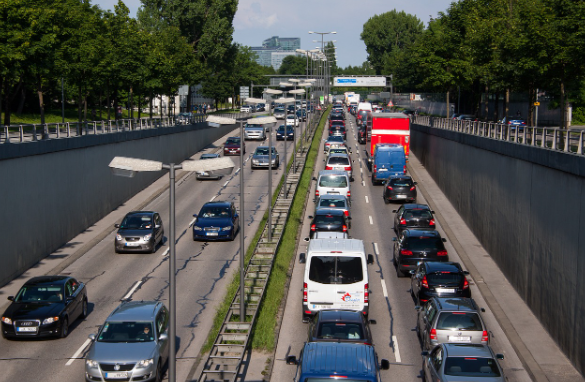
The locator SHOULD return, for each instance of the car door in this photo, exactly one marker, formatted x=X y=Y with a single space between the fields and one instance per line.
x=435 y=365
x=162 y=323
x=430 y=312
x=72 y=301
x=415 y=280
x=235 y=218
x=398 y=216
x=158 y=226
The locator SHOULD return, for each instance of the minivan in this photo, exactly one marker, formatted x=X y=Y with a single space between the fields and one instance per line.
x=332 y=182
x=389 y=159
x=321 y=361
x=335 y=276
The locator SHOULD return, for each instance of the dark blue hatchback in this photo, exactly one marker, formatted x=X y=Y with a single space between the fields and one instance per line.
x=216 y=221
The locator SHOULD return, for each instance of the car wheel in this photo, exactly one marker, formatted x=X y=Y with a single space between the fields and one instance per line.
x=153 y=249
x=159 y=372
x=386 y=201
x=398 y=271
x=84 y=308
x=116 y=249
x=233 y=235
x=64 y=328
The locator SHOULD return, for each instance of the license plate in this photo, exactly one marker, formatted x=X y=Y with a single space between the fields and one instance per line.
x=26 y=329
x=132 y=244
x=211 y=233
x=382 y=170
x=445 y=290
x=400 y=196
x=117 y=375
x=459 y=339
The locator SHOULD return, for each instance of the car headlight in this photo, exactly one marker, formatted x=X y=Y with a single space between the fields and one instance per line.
x=147 y=237
x=50 y=320
x=7 y=320
x=145 y=363
x=90 y=363
x=196 y=228
x=119 y=237
x=226 y=228
x=255 y=161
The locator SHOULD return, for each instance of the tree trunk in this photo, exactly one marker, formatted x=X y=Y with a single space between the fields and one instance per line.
x=79 y=104
x=486 y=103
x=130 y=104
x=108 y=103
x=116 y=102
x=531 y=100
x=507 y=103
x=21 y=101
x=189 y=95
x=100 y=105
x=448 y=105
x=41 y=99
x=563 y=106
x=139 y=104
x=150 y=105
x=496 y=106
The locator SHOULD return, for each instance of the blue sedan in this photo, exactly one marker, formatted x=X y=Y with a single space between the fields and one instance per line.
x=216 y=221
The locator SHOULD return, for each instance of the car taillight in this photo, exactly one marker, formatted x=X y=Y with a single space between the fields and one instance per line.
x=347 y=168
x=465 y=282
x=403 y=221
x=366 y=293
x=432 y=222
x=316 y=192
x=313 y=227
x=349 y=194
x=375 y=168
x=304 y=292
x=485 y=337
x=442 y=253
x=328 y=168
x=346 y=213
x=412 y=188
x=327 y=144
x=390 y=188
x=424 y=282
x=405 y=169
x=433 y=334
x=405 y=252
x=344 y=228
x=509 y=122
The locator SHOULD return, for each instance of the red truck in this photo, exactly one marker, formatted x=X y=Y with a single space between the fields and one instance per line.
x=388 y=128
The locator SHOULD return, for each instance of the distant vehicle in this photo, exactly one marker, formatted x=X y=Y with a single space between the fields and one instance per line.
x=414 y=246
x=391 y=128
x=260 y=157
x=336 y=202
x=216 y=221
x=412 y=215
x=261 y=107
x=252 y=131
x=438 y=279
x=340 y=326
x=340 y=162
x=339 y=150
x=290 y=133
x=45 y=306
x=279 y=113
x=332 y=142
x=208 y=175
x=133 y=344
x=389 y=159
x=140 y=231
x=232 y=146
x=291 y=120
x=462 y=362
x=327 y=219
x=399 y=188
x=290 y=109
x=466 y=117
x=183 y=119
x=332 y=182
x=514 y=122
x=246 y=109
x=302 y=115
x=338 y=129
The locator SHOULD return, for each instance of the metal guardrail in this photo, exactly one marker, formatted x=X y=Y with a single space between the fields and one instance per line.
x=36 y=132
x=226 y=356
x=553 y=138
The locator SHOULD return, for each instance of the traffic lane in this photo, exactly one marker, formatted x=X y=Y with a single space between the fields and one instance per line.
x=106 y=287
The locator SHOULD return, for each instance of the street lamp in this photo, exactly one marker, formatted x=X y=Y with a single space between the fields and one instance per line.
x=286 y=101
x=128 y=167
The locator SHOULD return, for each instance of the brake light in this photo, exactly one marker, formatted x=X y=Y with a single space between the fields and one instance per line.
x=344 y=228
x=328 y=168
x=390 y=188
x=403 y=221
x=327 y=144
x=349 y=194
x=405 y=252
x=346 y=213
x=316 y=192
x=305 y=292
x=432 y=222
x=485 y=337
x=424 y=282
x=375 y=168
x=313 y=227
x=433 y=333
x=347 y=168
x=442 y=253
x=366 y=293
x=412 y=188
x=465 y=283
x=405 y=169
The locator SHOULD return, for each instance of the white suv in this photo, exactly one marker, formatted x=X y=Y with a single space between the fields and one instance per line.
x=332 y=182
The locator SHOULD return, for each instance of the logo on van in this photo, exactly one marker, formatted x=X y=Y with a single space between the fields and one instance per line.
x=347 y=298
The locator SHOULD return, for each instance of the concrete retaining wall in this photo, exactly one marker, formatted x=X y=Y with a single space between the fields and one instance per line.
x=526 y=206
x=53 y=190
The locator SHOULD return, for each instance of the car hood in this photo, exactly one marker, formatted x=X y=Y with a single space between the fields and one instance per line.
x=453 y=378
x=121 y=352
x=134 y=232
x=29 y=311
x=263 y=157
x=213 y=222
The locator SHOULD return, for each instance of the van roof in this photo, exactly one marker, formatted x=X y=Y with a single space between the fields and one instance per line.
x=337 y=245
x=389 y=146
x=338 y=359
x=391 y=115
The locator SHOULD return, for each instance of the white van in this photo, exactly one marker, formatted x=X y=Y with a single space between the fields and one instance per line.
x=332 y=182
x=336 y=276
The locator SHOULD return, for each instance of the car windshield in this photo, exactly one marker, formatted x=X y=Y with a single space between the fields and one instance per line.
x=340 y=331
x=263 y=151
x=459 y=321
x=343 y=161
x=332 y=203
x=443 y=278
x=137 y=221
x=232 y=141
x=471 y=367
x=333 y=181
x=126 y=331
x=214 y=212
x=336 y=270
x=279 y=109
x=401 y=182
x=250 y=126
x=422 y=243
x=209 y=156
x=39 y=293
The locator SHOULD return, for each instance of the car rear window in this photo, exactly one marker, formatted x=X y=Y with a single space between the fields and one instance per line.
x=424 y=243
x=340 y=331
x=333 y=181
x=336 y=270
x=338 y=160
x=417 y=214
x=459 y=321
x=332 y=203
x=444 y=278
x=329 y=219
x=471 y=367
x=401 y=182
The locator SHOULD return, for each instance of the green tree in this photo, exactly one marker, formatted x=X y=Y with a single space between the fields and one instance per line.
x=293 y=65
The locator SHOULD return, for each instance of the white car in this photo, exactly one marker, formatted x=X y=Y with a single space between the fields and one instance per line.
x=245 y=109
x=291 y=120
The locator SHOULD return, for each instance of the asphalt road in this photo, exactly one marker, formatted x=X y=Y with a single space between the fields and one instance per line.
x=204 y=271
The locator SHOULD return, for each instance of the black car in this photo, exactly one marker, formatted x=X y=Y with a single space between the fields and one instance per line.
x=216 y=221
x=340 y=326
x=290 y=109
x=261 y=107
x=399 y=188
x=413 y=216
x=414 y=246
x=45 y=306
x=361 y=134
x=140 y=231
x=301 y=115
x=439 y=279
x=338 y=130
x=329 y=220
x=290 y=133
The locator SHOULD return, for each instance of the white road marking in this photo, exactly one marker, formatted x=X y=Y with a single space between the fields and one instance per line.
x=192 y=221
x=236 y=173
x=166 y=252
x=363 y=183
x=129 y=294
x=396 y=351
x=212 y=199
x=78 y=352
x=367 y=200
x=376 y=249
x=384 y=290
x=226 y=183
x=361 y=169
x=371 y=220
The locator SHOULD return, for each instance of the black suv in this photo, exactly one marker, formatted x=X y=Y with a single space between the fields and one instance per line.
x=340 y=326
x=414 y=246
x=439 y=279
x=413 y=216
x=399 y=188
x=329 y=220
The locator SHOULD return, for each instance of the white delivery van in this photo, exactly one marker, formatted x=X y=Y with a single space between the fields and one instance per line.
x=336 y=276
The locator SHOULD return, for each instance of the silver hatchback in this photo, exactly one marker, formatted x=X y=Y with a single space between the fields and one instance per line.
x=133 y=344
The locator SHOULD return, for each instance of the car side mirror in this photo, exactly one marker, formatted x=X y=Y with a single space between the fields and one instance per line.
x=10 y=298
x=385 y=364
x=373 y=322
x=444 y=240
x=424 y=353
x=291 y=360
x=432 y=211
x=349 y=218
x=117 y=225
x=417 y=308
x=370 y=259
x=163 y=337
x=310 y=217
x=314 y=178
x=499 y=356
x=157 y=226
x=394 y=239
x=394 y=211
x=415 y=183
x=482 y=310
x=466 y=272
x=302 y=258
x=92 y=336
x=306 y=239
x=411 y=272
x=194 y=215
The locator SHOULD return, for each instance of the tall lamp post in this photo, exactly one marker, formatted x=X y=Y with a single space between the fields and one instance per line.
x=128 y=167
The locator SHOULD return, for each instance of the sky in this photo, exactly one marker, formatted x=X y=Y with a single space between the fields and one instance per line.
x=257 y=20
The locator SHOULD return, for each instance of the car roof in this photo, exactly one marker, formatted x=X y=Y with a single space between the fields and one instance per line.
x=140 y=213
x=468 y=350
x=340 y=316
x=336 y=245
x=135 y=311
x=456 y=303
x=338 y=155
x=49 y=280
x=401 y=177
x=329 y=211
x=344 y=359
x=442 y=266
x=217 y=203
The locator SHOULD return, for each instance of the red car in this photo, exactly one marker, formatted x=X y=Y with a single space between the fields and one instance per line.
x=232 y=146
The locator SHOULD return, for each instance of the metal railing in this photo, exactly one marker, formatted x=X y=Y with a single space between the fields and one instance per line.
x=553 y=138
x=36 y=132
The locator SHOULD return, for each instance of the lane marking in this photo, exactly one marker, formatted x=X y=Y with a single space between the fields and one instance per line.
x=226 y=183
x=371 y=220
x=363 y=183
x=396 y=350
x=212 y=199
x=384 y=290
x=192 y=221
x=376 y=249
x=129 y=294
x=367 y=200
x=361 y=169
x=166 y=252
x=236 y=173
x=78 y=352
